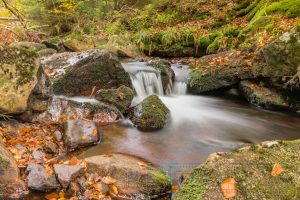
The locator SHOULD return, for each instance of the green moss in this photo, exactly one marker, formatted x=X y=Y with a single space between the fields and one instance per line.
x=160 y=177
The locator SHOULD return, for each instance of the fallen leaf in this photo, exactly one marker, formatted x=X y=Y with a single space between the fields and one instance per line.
x=74 y=160
x=113 y=190
x=52 y=196
x=84 y=137
x=229 y=188
x=61 y=195
x=277 y=170
x=109 y=155
x=142 y=165
x=108 y=180
x=121 y=96
x=95 y=132
x=175 y=188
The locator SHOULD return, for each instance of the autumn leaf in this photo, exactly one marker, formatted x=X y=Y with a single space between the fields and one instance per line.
x=108 y=180
x=109 y=155
x=175 y=188
x=229 y=188
x=84 y=137
x=95 y=132
x=142 y=165
x=277 y=170
x=52 y=196
x=62 y=195
x=113 y=190
x=74 y=160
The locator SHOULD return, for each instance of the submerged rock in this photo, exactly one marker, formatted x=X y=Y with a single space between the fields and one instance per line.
x=77 y=74
x=251 y=168
x=39 y=180
x=150 y=114
x=261 y=95
x=121 y=97
x=79 y=133
x=63 y=109
x=19 y=75
x=10 y=180
x=67 y=173
x=133 y=176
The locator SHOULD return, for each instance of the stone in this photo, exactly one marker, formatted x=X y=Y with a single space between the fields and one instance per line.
x=58 y=136
x=150 y=114
x=38 y=154
x=67 y=173
x=78 y=45
x=251 y=168
x=46 y=52
x=32 y=46
x=79 y=133
x=260 y=95
x=100 y=69
x=133 y=176
x=62 y=109
x=10 y=180
x=51 y=147
x=39 y=180
x=121 y=97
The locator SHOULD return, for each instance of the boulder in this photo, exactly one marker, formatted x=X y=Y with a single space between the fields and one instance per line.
x=22 y=82
x=150 y=114
x=79 y=133
x=132 y=175
x=46 y=52
x=252 y=167
x=78 y=45
x=39 y=180
x=167 y=74
x=121 y=97
x=81 y=74
x=261 y=95
x=10 y=180
x=32 y=46
x=51 y=147
x=62 y=109
x=67 y=173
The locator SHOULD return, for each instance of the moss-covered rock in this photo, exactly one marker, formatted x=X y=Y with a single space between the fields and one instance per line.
x=46 y=52
x=78 y=45
x=150 y=114
x=133 y=176
x=20 y=75
x=121 y=97
x=32 y=46
x=261 y=95
x=251 y=167
x=98 y=69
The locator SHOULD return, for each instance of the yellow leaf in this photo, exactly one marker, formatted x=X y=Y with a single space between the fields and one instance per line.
x=175 y=188
x=95 y=132
x=113 y=190
x=61 y=195
x=109 y=155
x=74 y=160
x=84 y=137
x=52 y=196
x=108 y=180
x=229 y=188
x=277 y=170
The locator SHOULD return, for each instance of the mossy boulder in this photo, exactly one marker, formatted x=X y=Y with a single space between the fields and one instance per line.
x=32 y=46
x=97 y=69
x=166 y=72
x=46 y=52
x=133 y=176
x=121 y=97
x=251 y=167
x=78 y=45
x=150 y=114
x=261 y=95
x=21 y=80
x=11 y=184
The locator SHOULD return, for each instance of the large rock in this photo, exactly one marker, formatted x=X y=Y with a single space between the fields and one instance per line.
x=22 y=82
x=78 y=45
x=251 y=167
x=79 y=133
x=121 y=97
x=133 y=176
x=67 y=173
x=86 y=72
x=62 y=109
x=10 y=181
x=150 y=114
x=261 y=95
x=39 y=180
x=32 y=46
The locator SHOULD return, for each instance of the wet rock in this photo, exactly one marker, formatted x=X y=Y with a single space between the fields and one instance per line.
x=38 y=154
x=10 y=181
x=63 y=109
x=132 y=175
x=167 y=74
x=261 y=95
x=32 y=46
x=150 y=114
x=46 y=52
x=100 y=69
x=51 y=147
x=79 y=133
x=121 y=97
x=67 y=173
x=204 y=181
x=39 y=180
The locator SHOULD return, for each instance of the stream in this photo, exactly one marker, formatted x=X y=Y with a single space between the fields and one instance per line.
x=198 y=125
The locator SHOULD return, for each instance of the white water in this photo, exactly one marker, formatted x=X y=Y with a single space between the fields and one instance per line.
x=181 y=78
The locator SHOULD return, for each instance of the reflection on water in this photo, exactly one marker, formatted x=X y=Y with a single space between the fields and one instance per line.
x=198 y=126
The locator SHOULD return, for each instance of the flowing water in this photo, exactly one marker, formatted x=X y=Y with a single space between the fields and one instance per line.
x=198 y=125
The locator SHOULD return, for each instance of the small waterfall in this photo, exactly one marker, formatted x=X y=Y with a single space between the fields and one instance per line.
x=145 y=79
x=181 y=78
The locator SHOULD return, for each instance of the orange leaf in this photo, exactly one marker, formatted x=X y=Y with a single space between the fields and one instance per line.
x=95 y=132
x=229 y=188
x=175 y=188
x=108 y=180
x=74 y=160
x=277 y=170
x=84 y=137
x=113 y=190
x=62 y=195
x=52 y=196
